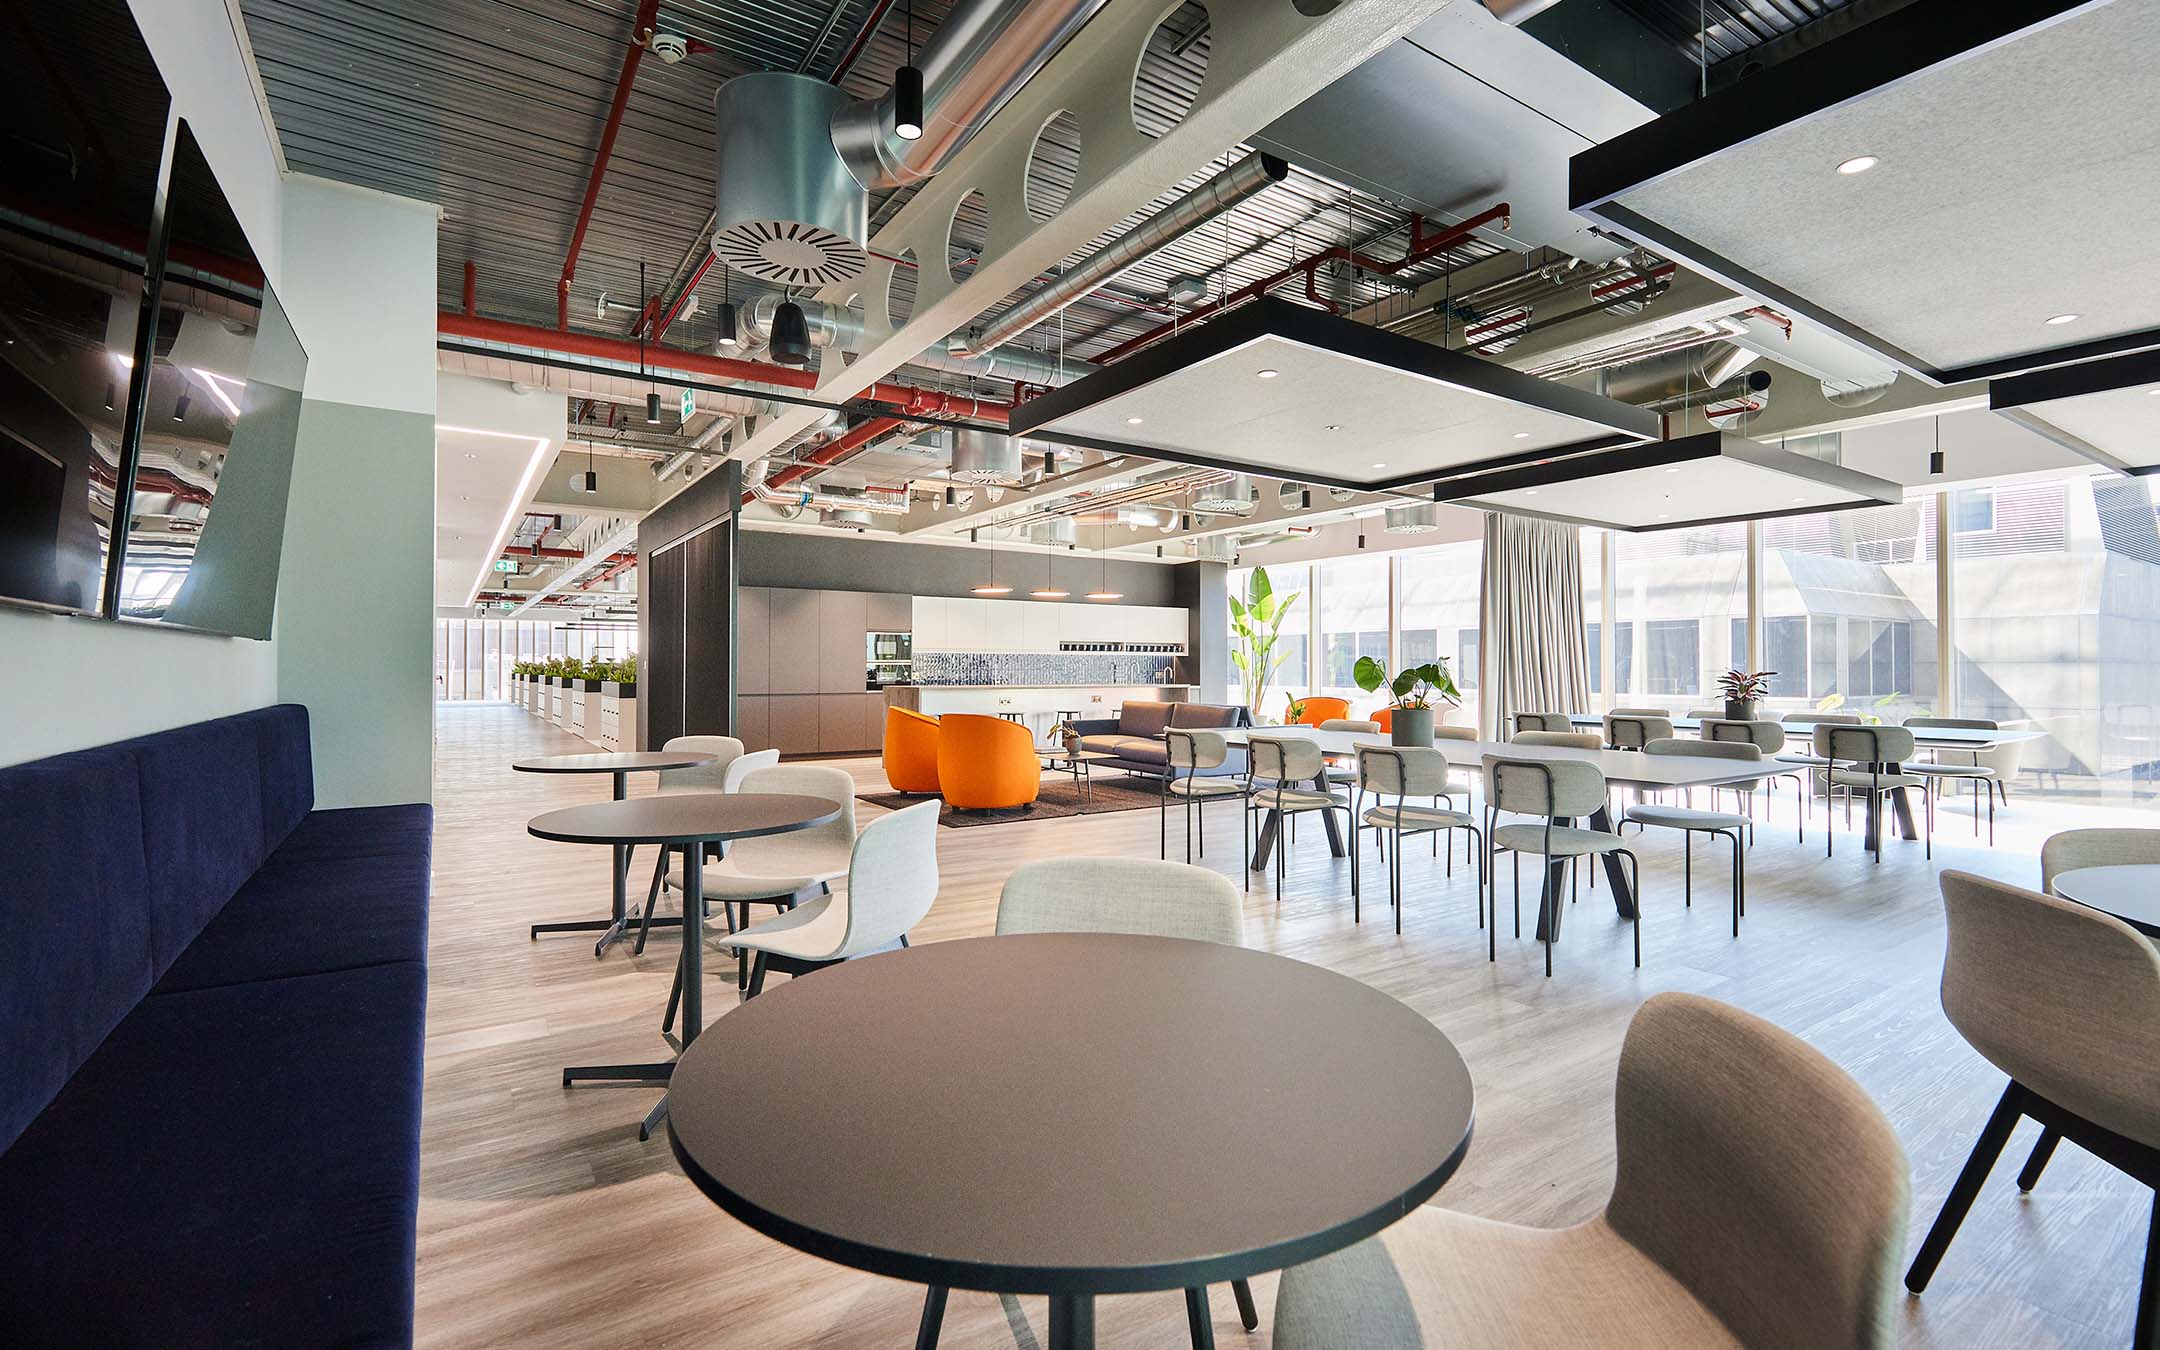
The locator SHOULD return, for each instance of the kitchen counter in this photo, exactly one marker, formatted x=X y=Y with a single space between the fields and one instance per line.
x=1035 y=706
x=1166 y=688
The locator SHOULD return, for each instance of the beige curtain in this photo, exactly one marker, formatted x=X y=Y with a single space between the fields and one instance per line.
x=1532 y=619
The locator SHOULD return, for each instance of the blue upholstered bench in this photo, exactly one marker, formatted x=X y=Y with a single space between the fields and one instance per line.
x=211 y=1009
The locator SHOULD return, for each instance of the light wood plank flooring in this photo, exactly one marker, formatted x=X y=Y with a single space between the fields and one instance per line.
x=544 y=1222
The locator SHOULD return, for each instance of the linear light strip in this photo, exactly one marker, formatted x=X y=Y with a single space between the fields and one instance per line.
x=517 y=499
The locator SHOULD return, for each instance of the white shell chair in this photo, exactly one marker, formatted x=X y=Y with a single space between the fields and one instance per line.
x=726 y=752
x=730 y=781
x=892 y=878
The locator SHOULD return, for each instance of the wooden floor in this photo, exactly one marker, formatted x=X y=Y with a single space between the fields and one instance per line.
x=544 y=1222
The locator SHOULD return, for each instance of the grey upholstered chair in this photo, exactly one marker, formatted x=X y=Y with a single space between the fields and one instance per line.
x=1542 y=721
x=2066 y=1001
x=1401 y=772
x=1726 y=824
x=1641 y=712
x=1278 y=764
x=1804 y=723
x=1573 y=740
x=1555 y=790
x=1193 y=752
x=1119 y=895
x=1338 y=771
x=2095 y=848
x=1760 y=1201
x=1986 y=770
x=1768 y=737
x=1867 y=762
x=1633 y=731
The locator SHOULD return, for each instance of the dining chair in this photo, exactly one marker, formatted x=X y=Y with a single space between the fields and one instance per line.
x=1542 y=721
x=2073 y=849
x=1808 y=761
x=1640 y=712
x=1760 y=1200
x=1633 y=731
x=1401 y=772
x=738 y=768
x=1556 y=790
x=1690 y=822
x=780 y=869
x=1573 y=740
x=892 y=878
x=1984 y=769
x=745 y=765
x=1277 y=765
x=1195 y=751
x=711 y=776
x=1338 y=772
x=2066 y=1001
x=1119 y=895
x=1872 y=760
x=1768 y=737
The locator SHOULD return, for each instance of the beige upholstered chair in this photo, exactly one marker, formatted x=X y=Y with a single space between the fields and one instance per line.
x=1555 y=790
x=2095 y=848
x=1573 y=740
x=1986 y=770
x=1279 y=764
x=1400 y=772
x=1641 y=712
x=2066 y=1001
x=1542 y=721
x=1690 y=822
x=1858 y=762
x=1633 y=731
x=1119 y=895
x=1191 y=752
x=1760 y=1201
x=1768 y=737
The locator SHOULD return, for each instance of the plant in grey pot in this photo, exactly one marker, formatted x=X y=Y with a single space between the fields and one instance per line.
x=1414 y=690
x=1743 y=693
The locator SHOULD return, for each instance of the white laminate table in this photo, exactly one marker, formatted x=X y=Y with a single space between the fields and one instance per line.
x=1930 y=738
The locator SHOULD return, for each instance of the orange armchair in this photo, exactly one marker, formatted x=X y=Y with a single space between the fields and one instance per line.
x=986 y=762
x=1320 y=708
x=911 y=751
x=1386 y=718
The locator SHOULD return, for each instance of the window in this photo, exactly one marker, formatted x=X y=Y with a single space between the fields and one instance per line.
x=1972 y=510
x=1440 y=588
x=1353 y=622
x=1623 y=654
x=1860 y=586
x=1592 y=547
x=1676 y=594
x=1674 y=648
x=1784 y=654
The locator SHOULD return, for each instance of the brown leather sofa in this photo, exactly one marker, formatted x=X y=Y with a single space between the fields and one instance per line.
x=1135 y=735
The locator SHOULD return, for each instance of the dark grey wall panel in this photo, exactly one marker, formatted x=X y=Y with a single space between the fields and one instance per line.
x=1203 y=589
x=837 y=562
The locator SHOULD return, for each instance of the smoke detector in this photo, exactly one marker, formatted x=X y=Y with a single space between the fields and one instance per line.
x=670 y=47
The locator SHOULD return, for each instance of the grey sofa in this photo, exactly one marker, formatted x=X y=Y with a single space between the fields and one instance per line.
x=1135 y=735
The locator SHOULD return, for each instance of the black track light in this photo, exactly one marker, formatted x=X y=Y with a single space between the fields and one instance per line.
x=180 y=407
x=907 y=86
x=1361 y=538
x=652 y=407
x=724 y=315
x=790 y=335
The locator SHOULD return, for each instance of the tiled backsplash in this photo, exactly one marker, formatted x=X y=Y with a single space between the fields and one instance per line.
x=1041 y=668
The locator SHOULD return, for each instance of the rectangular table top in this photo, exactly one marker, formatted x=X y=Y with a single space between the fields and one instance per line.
x=1941 y=738
x=1628 y=768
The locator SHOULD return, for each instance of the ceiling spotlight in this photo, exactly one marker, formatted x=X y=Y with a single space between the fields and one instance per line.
x=1332 y=426
x=587 y=481
x=180 y=407
x=1529 y=492
x=790 y=344
x=2058 y=320
x=1268 y=374
x=1136 y=421
x=1379 y=463
x=724 y=316
x=1858 y=164
x=652 y=407
x=1522 y=435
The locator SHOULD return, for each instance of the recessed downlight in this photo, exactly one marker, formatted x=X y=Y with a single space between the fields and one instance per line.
x=1674 y=469
x=2058 y=320
x=1857 y=164
x=1529 y=492
x=1134 y=421
x=1381 y=463
x=1522 y=435
x=1267 y=374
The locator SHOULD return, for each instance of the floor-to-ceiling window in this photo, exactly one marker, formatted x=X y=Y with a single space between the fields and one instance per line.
x=473 y=657
x=1293 y=636
x=1353 y=622
x=1849 y=611
x=1439 y=608
x=1593 y=608
x=1677 y=595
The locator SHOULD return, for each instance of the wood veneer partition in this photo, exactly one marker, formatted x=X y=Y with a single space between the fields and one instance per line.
x=686 y=611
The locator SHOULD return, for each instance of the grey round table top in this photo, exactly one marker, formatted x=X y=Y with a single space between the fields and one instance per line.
x=619 y=761
x=2129 y=891
x=683 y=818
x=1070 y=1113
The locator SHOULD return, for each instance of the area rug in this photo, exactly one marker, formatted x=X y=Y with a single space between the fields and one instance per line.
x=1060 y=797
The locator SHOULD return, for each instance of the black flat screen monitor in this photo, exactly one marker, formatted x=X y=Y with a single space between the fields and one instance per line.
x=86 y=117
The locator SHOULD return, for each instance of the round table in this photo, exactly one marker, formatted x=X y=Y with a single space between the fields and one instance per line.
x=2129 y=891
x=993 y=1114
x=687 y=821
x=619 y=764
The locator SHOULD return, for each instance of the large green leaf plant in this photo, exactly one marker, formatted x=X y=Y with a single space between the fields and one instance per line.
x=1256 y=633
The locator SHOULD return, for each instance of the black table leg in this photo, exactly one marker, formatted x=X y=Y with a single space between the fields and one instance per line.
x=1615 y=872
x=693 y=999
x=1072 y=1322
x=1270 y=828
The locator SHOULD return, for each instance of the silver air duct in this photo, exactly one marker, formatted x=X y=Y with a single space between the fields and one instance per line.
x=795 y=161
x=1753 y=385
x=1246 y=178
x=789 y=503
x=1423 y=518
x=1233 y=496
x=1056 y=530
x=986 y=457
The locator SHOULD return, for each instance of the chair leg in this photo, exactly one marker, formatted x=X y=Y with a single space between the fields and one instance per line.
x=1986 y=1150
x=1197 y=1320
x=2029 y=1174
x=1248 y=1316
x=757 y=976
x=933 y=1317
x=1687 y=869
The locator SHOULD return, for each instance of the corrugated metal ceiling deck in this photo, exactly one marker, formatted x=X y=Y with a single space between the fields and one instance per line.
x=1725 y=28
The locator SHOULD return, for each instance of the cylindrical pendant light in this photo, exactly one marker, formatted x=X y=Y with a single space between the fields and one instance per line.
x=907 y=88
x=652 y=406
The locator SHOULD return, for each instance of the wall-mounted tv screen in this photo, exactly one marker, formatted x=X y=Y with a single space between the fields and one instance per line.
x=85 y=117
x=221 y=412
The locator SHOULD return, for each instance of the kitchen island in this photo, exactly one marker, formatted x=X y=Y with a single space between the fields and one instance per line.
x=1034 y=705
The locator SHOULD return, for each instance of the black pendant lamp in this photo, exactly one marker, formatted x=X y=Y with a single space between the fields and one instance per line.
x=790 y=335
x=907 y=86
x=1935 y=456
x=725 y=339
x=652 y=396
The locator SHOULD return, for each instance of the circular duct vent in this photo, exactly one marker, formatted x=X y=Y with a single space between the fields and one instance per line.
x=1421 y=519
x=1056 y=530
x=985 y=457
x=789 y=252
x=1234 y=496
x=845 y=518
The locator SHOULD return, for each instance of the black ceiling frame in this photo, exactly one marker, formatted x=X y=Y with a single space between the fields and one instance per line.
x=1903 y=45
x=2023 y=400
x=1321 y=331
x=1691 y=449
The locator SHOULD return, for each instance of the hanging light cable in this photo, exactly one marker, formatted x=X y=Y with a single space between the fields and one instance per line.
x=991 y=586
x=652 y=396
x=1049 y=590
x=724 y=316
x=1103 y=592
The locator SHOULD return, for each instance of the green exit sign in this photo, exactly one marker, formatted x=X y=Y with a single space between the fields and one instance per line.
x=506 y=565
x=506 y=604
x=689 y=404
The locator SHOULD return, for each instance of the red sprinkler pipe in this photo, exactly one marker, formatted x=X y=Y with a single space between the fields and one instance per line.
x=640 y=34
x=1423 y=247
x=841 y=447
x=906 y=397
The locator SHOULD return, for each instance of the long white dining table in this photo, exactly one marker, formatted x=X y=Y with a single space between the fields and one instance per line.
x=1622 y=768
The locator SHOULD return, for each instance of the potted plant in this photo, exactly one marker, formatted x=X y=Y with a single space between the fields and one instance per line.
x=1293 y=710
x=619 y=678
x=1067 y=735
x=1413 y=691
x=1255 y=630
x=1743 y=693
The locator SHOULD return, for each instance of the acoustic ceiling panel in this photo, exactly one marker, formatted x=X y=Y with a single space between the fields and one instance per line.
x=1706 y=479
x=1966 y=187
x=1293 y=393
x=2108 y=411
